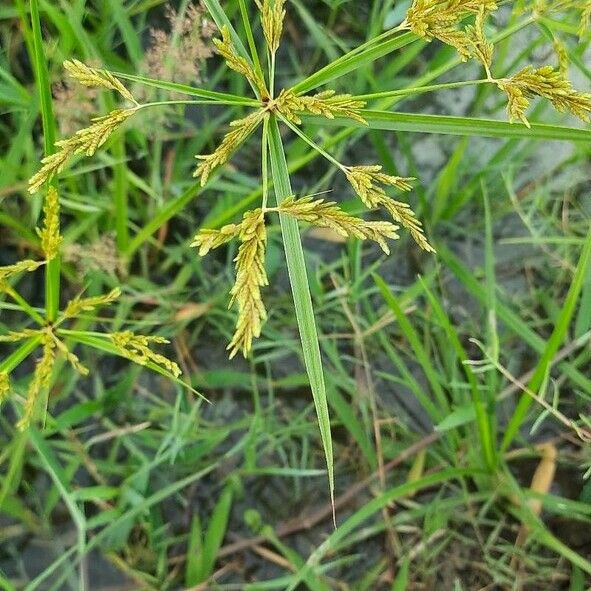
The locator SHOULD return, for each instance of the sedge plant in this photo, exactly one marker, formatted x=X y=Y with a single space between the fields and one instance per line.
x=461 y=24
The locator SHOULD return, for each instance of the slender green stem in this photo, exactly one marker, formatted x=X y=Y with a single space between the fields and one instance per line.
x=251 y=103
x=220 y=97
x=420 y=89
x=312 y=143
x=52 y=272
x=272 y=75
x=265 y=162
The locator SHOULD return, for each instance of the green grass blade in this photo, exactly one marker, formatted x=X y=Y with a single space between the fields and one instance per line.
x=352 y=61
x=171 y=208
x=415 y=342
x=296 y=265
x=554 y=342
x=461 y=126
x=251 y=42
x=18 y=356
x=215 y=533
x=221 y=20
x=484 y=427
x=507 y=316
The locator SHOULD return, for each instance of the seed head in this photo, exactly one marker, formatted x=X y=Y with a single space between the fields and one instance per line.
x=51 y=239
x=250 y=277
x=96 y=78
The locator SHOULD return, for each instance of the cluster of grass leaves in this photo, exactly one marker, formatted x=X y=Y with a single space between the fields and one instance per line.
x=160 y=484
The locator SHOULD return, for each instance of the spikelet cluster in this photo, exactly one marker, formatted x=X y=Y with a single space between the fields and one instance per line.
x=51 y=239
x=481 y=48
x=72 y=359
x=237 y=63
x=240 y=130
x=209 y=239
x=25 y=265
x=250 y=278
x=327 y=214
x=548 y=83
x=437 y=19
x=41 y=379
x=14 y=336
x=272 y=16
x=326 y=104
x=136 y=348
x=95 y=78
x=86 y=141
x=369 y=182
x=4 y=386
x=78 y=305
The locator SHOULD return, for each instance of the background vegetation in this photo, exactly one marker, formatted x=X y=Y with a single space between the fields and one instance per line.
x=136 y=483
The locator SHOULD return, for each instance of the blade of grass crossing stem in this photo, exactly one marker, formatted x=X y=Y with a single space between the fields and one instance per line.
x=553 y=344
x=482 y=419
x=296 y=266
x=52 y=272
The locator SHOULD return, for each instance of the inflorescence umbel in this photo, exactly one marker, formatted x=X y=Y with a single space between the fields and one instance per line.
x=458 y=23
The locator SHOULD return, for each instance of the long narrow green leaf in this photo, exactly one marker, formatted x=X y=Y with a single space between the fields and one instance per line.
x=296 y=266
x=215 y=533
x=171 y=208
x=221 y=20
x=18 y=356
x=352 y=61
x=554 y=342
x=462 y=126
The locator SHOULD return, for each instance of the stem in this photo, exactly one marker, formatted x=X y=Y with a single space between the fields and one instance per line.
x=52 y=272
x=265 y=163
x=194 y=102
x=312 y=143
x=420 y=89
x=272 y=75
x=120 y=196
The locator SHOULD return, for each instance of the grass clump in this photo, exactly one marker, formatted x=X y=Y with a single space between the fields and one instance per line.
x=447 y=373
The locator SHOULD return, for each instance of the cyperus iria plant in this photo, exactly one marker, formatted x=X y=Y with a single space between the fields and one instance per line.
x=461 y=24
